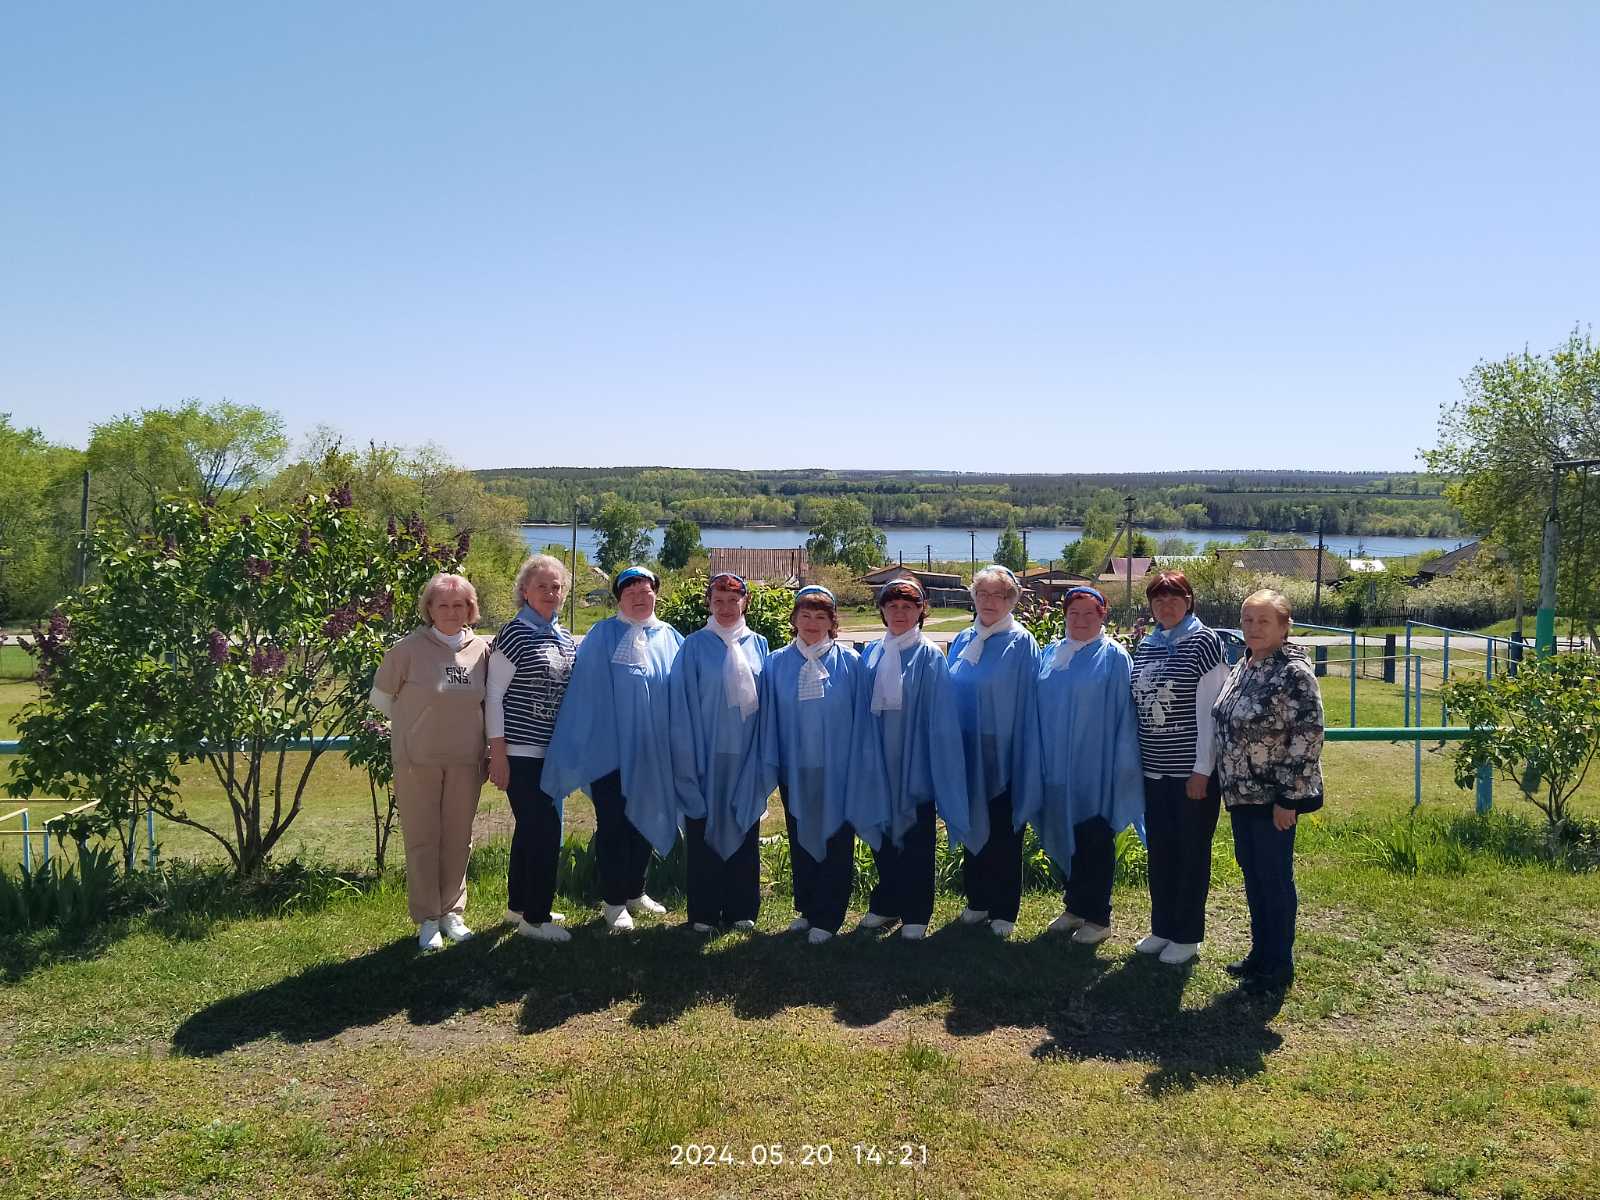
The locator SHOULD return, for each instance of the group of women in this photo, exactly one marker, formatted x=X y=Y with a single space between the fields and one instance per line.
x=671 y=735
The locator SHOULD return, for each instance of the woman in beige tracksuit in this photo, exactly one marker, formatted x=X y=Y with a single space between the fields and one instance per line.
x=431 y=686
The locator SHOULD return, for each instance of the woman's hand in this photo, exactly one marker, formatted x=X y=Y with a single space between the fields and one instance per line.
x=1195 y=789
x=1283 y=818
x=499 y=766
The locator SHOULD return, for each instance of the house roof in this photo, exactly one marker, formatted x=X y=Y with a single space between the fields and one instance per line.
x=1117 y=569
x=781 y=567
x=1299 y=563
x=928 y=579
x=1447 y=564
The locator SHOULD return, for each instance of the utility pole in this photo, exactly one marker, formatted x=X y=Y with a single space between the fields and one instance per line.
x=1127 y=598
x=83 y=534
x=1024 y=553
x=1316 y=606
x=572 y=591
x=930 y=556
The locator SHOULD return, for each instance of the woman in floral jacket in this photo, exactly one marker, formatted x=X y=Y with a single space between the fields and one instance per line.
x=1268 y=761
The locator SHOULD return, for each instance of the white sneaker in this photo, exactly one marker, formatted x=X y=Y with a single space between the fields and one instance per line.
x=617 y=918
x=428 y=936
x=799 y=925
x=913 y=933
x=701 y=927
x=817 y=936
x=875 y=921
x=745 y=925
x=1151 y=944
x=454 y=927
x=548 y=932
x=513 y=917
x=1002 y=928
x=1066 y=923
x=1179 y=952
x=557 y=918
x=972 y=916
x=1089 y=934
x=643 y=903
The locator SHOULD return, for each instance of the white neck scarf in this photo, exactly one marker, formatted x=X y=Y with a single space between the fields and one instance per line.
x=972 y=652
x=886 y=686
x=1066 y=648
x=454 y=640
x=738 y=677
x=812 y=672
x=631 y=647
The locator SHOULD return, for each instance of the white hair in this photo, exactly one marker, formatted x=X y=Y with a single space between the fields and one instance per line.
x=997 y=575
x=535 y=564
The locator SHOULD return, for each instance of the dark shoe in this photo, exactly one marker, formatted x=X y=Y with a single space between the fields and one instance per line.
x=1241 y=968
x=1261 y=983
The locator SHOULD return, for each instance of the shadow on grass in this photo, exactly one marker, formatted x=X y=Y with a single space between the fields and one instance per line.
x=1090 y=1005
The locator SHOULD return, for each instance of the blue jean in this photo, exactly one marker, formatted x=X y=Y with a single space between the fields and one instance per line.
x=1266 y=856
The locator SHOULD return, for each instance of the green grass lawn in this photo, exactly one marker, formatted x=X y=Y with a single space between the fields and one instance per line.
x=300 y=1047
x=1441 y=1038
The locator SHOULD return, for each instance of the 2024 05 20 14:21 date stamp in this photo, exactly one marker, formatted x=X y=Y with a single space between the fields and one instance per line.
x=806 y=1154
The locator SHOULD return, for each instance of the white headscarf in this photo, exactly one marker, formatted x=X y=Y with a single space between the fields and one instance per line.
x=886 y=686
x=812 y=672
x=972 y=652
x=738 y=677
x=630 y=651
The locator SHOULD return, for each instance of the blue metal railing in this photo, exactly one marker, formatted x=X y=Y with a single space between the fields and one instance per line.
x=1353 y=656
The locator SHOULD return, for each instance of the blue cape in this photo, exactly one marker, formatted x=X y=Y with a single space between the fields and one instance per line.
x=711 y=740
x=997 y=703
x=615 y=718
x=805 y=744
x=917 y=747
x=1090 y=740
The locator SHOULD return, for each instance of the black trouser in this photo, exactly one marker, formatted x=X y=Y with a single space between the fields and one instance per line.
x=1266 y=856
x=1094 y=865
x=905 y=873
x=1179 y=832
x=993 y=876
x=622 y=854
x=535 y=843
x=821 y=886
x=722 y=891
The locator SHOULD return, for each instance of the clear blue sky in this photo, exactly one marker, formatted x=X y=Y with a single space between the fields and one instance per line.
x=985 y=236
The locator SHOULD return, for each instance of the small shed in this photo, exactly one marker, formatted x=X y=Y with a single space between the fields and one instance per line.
x=775 y=568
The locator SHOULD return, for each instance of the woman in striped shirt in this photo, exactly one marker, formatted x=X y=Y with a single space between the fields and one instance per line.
x=1177 y=672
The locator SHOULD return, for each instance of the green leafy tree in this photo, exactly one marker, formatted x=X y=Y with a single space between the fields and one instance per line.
x=39 y=489
x=685 y=609
x=624 y=536
x=218 y=453
x=846 y=535
x=1518 y=416
x=219 y=639
x=680 y=543
x=1538 y=729
x=1008 y=550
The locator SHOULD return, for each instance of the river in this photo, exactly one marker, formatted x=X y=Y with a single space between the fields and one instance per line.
x=950 y=544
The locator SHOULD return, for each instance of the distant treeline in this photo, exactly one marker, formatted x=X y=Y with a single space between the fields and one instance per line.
x=1344 y=501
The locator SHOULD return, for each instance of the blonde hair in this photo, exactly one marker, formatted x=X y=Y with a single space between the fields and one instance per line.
x=535 y=564
x=1274 y=600
x=447 y=582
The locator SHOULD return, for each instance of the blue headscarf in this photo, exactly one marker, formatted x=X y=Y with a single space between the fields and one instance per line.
x=624 y=578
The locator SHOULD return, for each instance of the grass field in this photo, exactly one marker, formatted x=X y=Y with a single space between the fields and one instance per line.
x=1441 y=1038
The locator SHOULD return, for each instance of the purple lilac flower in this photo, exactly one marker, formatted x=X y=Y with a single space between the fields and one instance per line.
x=341 y=496
x=268 y=660
x=390 y=527
x=257 y=568
x=375 y=727
x=340 y=622
x=304 y=545
x=217 y=647
x=463 y=544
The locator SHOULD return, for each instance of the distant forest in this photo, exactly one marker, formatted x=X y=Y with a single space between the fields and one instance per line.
x=1346 y=501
